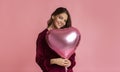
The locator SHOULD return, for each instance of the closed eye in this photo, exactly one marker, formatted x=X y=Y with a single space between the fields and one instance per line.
x=60 y=17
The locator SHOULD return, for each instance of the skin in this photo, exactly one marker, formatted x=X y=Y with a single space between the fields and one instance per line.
x=58 y=22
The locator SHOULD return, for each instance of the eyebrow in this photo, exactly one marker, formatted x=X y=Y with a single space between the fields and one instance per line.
x=62 y=17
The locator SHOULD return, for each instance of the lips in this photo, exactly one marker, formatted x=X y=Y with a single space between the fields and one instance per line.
x=59 y=24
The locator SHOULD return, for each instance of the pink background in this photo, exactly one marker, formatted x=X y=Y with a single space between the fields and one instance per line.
x=97 y=20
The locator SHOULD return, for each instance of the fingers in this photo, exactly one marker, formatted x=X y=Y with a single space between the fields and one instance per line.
x=61 y=62
x=66 y=63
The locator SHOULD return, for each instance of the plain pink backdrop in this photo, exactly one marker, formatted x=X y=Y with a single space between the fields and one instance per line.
x=97 y=20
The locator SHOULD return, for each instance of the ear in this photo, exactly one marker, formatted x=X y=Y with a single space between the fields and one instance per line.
x=53 y=17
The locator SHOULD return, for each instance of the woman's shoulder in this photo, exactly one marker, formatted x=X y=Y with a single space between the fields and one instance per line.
x=43 y=32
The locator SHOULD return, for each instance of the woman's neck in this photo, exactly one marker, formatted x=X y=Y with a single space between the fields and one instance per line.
x=51 y=27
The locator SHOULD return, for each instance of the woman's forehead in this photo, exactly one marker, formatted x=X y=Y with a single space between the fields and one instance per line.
x=63 y=15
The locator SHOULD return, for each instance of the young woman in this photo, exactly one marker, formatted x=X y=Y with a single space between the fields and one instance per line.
x=46 y=58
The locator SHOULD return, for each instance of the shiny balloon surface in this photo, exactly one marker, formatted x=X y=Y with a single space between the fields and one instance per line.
x=63 y=41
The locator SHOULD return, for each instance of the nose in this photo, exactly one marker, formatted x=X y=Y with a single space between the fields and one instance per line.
x=62 y=22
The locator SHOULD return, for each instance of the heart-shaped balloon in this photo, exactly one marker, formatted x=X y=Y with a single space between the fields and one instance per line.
x=63 y=41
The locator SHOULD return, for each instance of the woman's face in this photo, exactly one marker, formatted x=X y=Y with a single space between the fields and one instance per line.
x=60 y=20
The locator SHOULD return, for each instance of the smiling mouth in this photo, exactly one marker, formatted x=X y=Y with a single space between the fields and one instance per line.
x=59 y=24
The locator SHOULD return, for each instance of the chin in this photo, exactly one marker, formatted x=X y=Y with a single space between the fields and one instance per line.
x=58 y=27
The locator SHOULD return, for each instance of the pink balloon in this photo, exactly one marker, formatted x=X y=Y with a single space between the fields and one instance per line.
x=63 y=41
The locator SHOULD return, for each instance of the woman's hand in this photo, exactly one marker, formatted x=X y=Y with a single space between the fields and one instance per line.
x=61 y=62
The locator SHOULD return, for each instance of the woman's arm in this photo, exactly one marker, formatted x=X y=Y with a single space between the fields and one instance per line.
x=40 y=56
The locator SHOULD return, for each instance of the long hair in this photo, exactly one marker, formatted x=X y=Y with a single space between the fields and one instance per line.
x=59 y=11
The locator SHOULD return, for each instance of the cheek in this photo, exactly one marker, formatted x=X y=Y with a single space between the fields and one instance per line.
x=57 y=19
x=64 y=23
